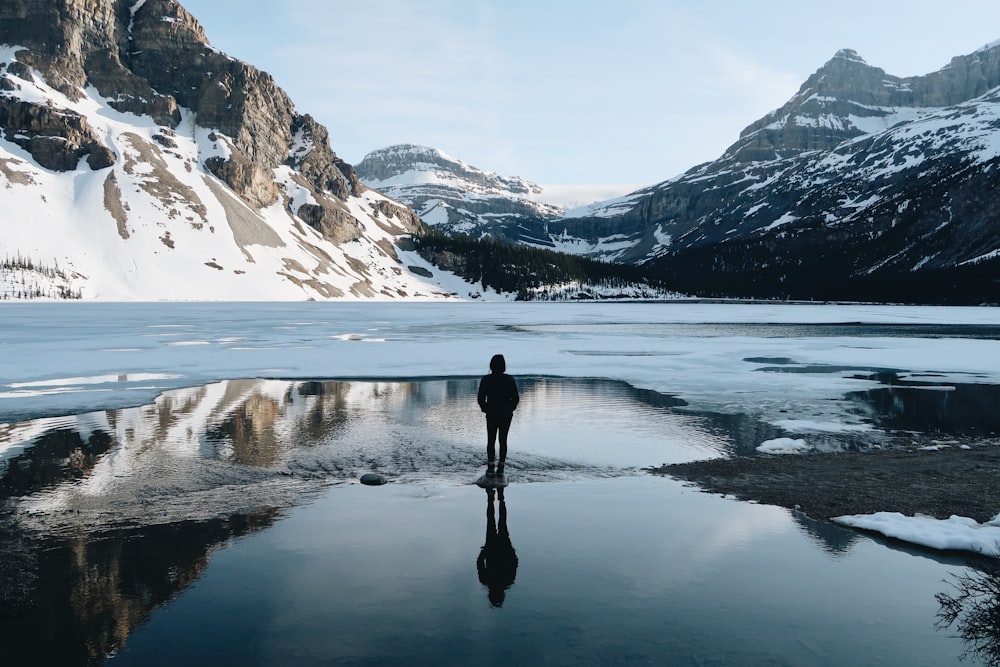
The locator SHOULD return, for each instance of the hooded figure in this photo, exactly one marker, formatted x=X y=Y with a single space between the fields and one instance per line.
x=498 y=398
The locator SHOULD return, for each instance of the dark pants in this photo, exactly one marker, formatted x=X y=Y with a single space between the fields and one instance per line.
x=497 y=425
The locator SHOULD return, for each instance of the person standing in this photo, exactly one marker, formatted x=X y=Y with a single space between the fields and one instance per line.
x=498 y=398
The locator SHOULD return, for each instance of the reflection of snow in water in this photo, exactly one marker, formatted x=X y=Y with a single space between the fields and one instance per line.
x=236 y=445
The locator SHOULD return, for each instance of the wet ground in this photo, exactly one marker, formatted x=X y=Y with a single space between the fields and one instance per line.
x=934 y=482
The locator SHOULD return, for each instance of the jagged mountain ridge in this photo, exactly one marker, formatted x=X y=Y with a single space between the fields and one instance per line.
x=848 y=98
x=194 y=174
x=862 y=186
x=456 y=197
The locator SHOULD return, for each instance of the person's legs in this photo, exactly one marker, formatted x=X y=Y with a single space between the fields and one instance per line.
x=503 y=429
x=492 y=427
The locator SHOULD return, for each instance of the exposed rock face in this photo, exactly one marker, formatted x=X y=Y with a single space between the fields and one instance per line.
x=323 y=168
x=151 y=57
x=57 y=139
x=250 y=180
x=847 y=97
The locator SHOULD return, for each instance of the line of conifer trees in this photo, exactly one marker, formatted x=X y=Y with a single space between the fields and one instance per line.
x=521 y=269
x=21 y=275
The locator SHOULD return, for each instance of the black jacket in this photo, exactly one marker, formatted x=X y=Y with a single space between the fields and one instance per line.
x=498 y=394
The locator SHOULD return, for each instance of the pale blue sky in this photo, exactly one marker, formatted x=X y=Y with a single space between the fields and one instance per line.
x=582 y=92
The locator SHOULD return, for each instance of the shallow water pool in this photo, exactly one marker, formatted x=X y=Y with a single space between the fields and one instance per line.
x=224 y=524
x=614 y=571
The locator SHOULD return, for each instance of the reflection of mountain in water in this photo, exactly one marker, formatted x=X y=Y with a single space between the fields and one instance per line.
x=228 y=446
x=105 y=516
x=237 y=445
x=78 y=599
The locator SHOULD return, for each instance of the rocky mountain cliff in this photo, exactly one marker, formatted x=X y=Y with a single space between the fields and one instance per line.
x=455 y=197
x=862 y=186
x=127 y=143
x=848 y=98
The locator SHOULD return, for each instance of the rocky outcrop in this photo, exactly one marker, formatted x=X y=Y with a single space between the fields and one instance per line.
x=324 y=172
x=323 y=168
x=57 y=138
x=253 y=183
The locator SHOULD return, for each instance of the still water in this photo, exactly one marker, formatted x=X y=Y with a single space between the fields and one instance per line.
x=224 y=524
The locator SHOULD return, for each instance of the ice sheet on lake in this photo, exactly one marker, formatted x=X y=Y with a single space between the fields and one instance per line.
x=48 y=347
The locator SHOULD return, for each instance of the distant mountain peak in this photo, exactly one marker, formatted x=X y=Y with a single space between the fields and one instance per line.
x=453 y=195
x=849 y=54
x=380 y=166
x=847 y=98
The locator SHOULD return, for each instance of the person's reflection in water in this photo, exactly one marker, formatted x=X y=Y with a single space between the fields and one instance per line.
x=497 y=562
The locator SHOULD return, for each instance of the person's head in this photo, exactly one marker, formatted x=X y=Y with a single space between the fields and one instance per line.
x=498 y=364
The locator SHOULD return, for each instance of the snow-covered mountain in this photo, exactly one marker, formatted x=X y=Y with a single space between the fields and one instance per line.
x=138 y=162
x=457 y=197
x=864 y=185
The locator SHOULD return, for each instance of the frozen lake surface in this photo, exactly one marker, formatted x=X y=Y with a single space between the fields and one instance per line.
x=179 y=482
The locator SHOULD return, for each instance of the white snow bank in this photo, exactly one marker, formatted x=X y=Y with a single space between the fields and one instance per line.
x=783 y=446
x=956 y=533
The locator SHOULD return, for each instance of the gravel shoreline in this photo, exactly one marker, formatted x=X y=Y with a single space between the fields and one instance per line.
x=939 y=483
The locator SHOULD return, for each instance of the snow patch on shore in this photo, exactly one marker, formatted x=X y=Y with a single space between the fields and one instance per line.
x=953 y=534
x=783 y=446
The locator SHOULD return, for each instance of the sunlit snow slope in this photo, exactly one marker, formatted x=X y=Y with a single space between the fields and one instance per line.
x=102 y=201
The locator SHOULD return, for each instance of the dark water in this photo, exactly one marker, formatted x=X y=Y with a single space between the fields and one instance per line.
x=608 y=572
x=948 y=409
x=224 y=525
x=778 y=330
x=919 y=403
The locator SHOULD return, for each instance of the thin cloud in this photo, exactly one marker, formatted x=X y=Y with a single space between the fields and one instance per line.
x=591 y=92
